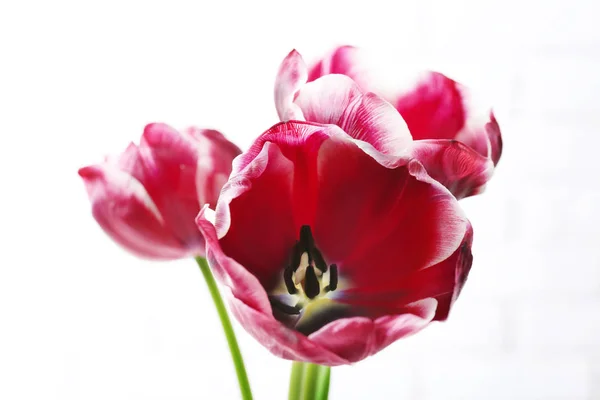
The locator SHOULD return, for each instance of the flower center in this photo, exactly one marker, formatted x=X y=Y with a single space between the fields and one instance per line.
x=305 y=272
x=307 y=276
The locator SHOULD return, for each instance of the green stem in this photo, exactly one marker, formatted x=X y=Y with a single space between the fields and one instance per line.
x=322 y=392
x=296 y=378
x=234 y=349
x=311 y=376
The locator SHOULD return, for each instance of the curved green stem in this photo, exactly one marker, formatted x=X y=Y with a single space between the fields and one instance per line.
x=236 y=355
x=296 y=381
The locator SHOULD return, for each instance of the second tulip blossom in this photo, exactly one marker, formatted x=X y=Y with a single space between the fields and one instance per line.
x=148 y=197
x=431 y=122
x=433 y=105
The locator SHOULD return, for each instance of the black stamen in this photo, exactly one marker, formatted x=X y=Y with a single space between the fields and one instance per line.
x=306 y=238
x=284 y=308
x=311 y=283
x=289 y=282
x=333 y=278
x=319 y=260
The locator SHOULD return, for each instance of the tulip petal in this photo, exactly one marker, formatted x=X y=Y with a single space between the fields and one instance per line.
x=390 y=328
x=399 y=209
x=215 y=156
x=280 y=340
x=442 y=282
x=291 y=77
x=132 y=162
x=358 y=337
x=126 y=212
x=456 y=166
x=171 y=160
x=351 y=338
x=375 y=121
x=261 y=239
x=336 y=99
x=493 y=131
x=340 y=61
x=433 y=109
x=434 y=106
x=461 y=261
x=325 y=100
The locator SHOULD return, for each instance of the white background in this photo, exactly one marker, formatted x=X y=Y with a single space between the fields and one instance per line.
x=82 y=319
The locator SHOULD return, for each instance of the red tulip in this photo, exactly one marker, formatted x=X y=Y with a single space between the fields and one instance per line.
x=148 y=198
x=434 y=124
x=331 y=249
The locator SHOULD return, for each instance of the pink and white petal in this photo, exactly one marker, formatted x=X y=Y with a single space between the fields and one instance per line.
x=350 y=338
x=291 y=77
x=326 y=100
x=283 y=133
x=280 y=340
x=375 y=121
x=390 y=328
x=342 y=60
x=359 y=337
x=481 y=131
x=124 y=210
x=132 y=162
x=456 y=166
x=337 y=99
x=433 y=108
x=169 y=145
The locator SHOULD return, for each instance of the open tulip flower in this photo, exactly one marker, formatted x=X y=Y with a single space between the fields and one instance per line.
x=148 y=198
x=458 y=146
x=332 y=249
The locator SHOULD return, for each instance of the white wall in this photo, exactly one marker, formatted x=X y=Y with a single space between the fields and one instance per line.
x=82 y=319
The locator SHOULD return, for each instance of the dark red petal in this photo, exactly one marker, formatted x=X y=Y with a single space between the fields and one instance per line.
x=255 y=215
x=456 y=166
x=434 y=108
x=380 y=224
x=442 y=282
